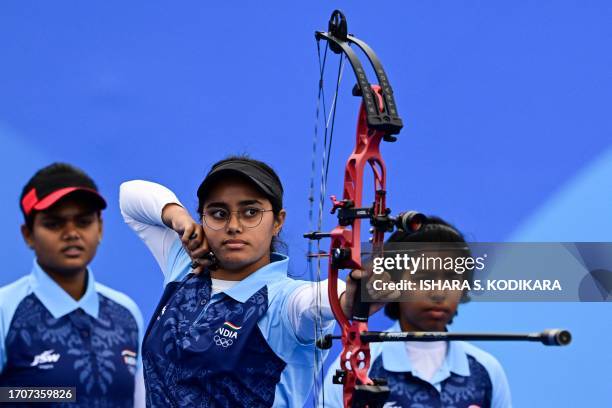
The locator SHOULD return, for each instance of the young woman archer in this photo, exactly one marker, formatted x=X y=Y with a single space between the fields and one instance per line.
x=59 y=327
x=238 y=332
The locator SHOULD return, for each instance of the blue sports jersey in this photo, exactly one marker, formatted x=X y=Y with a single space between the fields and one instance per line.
x=236 y=348
x=48 y=339
x=468 y=378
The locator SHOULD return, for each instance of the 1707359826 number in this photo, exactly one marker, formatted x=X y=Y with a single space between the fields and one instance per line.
x=37 y=394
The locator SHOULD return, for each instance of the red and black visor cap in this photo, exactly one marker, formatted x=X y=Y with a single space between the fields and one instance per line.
x=51 y=184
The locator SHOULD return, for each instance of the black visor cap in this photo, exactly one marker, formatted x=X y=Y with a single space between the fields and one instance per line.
x=265 y=181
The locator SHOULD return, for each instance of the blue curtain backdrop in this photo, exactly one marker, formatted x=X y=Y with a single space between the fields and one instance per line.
x=507 y=132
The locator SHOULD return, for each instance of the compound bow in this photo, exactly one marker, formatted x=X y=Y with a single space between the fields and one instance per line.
x=378 y=120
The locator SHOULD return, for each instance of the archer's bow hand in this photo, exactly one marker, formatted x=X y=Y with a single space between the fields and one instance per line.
x=347 y=298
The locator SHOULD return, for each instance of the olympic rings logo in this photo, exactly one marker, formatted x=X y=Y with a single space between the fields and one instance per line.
x=222 y=341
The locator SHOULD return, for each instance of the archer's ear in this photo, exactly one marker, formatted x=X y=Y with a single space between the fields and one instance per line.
x=279 y=221
x=100 y=227
x=27 y=235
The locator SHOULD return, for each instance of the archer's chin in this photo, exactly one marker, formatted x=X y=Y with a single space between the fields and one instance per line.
x=235 y=260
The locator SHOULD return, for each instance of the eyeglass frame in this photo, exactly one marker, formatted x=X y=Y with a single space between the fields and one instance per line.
x=237 y=212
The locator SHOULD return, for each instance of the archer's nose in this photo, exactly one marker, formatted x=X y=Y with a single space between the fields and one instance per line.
x=233 y=224
x=70 y=232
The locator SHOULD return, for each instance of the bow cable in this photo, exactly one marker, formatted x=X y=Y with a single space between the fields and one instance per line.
x=315 y=274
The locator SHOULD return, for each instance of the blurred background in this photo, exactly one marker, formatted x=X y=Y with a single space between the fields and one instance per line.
x=508 y=132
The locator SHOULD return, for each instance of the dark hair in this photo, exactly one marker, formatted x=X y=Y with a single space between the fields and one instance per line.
x=57 y=169
x=435 y=230
x=276 y=245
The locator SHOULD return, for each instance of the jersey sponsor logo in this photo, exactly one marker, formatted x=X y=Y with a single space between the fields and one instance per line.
x=391 y=404
x=226 y=334
x=45 y=359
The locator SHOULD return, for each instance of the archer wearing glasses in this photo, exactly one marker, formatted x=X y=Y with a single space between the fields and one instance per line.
x=216 y=217
x=234 y=331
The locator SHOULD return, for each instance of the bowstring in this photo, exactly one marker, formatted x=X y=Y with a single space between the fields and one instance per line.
x=327 y=143
x=333 y=116
x=320 y=104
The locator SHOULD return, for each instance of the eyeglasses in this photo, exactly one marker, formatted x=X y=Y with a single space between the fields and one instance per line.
x=218 y=218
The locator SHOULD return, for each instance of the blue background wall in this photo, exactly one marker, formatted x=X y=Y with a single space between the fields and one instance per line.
x=508 y=133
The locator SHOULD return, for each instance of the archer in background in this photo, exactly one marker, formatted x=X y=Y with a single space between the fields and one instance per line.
x=430 y=374
x=58 y=326
x=231 y=329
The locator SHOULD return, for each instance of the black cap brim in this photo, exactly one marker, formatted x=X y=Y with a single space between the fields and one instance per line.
x=267 y=183
x=214 y=177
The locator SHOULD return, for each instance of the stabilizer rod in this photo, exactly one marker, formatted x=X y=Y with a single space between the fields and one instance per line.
x=549 y=337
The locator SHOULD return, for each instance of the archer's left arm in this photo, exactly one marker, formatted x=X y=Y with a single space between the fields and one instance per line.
x=308 y=307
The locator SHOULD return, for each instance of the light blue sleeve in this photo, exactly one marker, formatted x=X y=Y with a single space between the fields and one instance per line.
x=501 y=388
x=499 y=382
x=139 y=389
x=142 y=203
x=10 y=298
x=178 y=263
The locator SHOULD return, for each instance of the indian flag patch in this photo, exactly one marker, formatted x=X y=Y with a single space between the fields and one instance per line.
x=226 y=334
x=232 y=326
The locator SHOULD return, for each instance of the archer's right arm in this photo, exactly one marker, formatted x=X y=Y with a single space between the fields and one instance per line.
x=158 y=218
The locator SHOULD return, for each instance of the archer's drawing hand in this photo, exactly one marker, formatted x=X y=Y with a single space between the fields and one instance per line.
x=191 y=235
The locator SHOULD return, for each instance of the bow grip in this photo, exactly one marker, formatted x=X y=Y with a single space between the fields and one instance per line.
x=361 y=310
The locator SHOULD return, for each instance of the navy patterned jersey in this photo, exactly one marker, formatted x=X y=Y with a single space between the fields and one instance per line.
x=199 y=353
x=49 y=339
x=408 y=391
x=97 y=356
